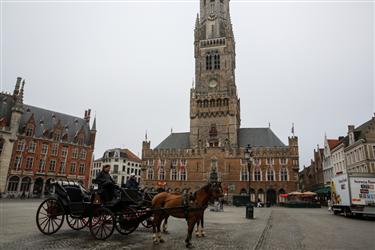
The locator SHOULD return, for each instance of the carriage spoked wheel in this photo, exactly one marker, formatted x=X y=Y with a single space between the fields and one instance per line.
x=102 y=223
x=126 y=221
x=76 y=222
x=50 y=216
x=147 y=223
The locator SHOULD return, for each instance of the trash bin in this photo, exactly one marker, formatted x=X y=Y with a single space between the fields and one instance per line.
x=249 y=211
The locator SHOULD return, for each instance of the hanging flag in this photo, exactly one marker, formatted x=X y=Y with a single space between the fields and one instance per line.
x=182 y=166
x=158 y=165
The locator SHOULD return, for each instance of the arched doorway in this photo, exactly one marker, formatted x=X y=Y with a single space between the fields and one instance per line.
x=38 y=186
x=48 y=186
x=271 y=197
x=243 y=192
x=13 y=184
x=260 y=196
x=252 y=195
x=25 y=184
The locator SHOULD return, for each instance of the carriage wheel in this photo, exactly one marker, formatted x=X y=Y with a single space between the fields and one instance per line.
x=102 y=223
x=50 y=216
x=76 y=222
x=126 y=221
x=147 y=223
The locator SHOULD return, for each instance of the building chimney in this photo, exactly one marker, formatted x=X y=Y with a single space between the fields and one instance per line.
x=350 y=128
x=18 y=84
x=87 y=115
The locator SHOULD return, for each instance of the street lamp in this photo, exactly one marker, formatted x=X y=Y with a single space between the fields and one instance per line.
x=249 y=160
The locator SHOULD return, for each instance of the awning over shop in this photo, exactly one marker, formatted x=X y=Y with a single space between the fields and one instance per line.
x=284 y=195
x=323 y=190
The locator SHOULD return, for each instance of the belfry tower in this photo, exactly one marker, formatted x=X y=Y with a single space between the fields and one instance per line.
x=214 y=104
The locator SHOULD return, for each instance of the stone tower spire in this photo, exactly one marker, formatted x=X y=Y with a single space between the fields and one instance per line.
x=214 y=105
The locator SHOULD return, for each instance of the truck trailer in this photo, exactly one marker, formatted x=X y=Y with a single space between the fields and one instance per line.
x=353 y=194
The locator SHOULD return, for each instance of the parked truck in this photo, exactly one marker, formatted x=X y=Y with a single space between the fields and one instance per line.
x=353 y=194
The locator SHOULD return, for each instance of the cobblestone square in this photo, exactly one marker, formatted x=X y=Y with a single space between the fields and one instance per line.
x=272 y=228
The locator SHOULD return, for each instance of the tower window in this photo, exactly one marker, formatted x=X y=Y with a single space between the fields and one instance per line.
x=217 y=61
x=208 y=62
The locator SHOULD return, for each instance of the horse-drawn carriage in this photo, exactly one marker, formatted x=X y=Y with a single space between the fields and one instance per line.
x=124 y=213
x=81 y=208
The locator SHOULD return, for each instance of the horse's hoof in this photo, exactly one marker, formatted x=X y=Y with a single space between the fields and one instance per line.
x=156 y=242
x=161 y=240
x=188 y=245
x=166 y=232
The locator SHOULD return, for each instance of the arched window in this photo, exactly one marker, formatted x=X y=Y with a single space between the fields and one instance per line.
x=183 y=174
x=270 y=174
x=217 y=61
x=218 y=102
x=25 y=184
x=212 y=103
x=173 y=174
x=205 y=103
x=13 y=183
x=257 y=174
x=208 y=62
x=244 y=174
x=150 y=174
x=283 y=174
x=161 y=173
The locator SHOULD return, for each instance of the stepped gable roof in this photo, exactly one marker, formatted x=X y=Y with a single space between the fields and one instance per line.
x=360 y=131
x=46 y=120
x=175 y=141
x=258 y=137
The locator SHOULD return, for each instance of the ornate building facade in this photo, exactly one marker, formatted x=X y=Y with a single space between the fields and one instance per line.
x=216 y=140
x=38 y=146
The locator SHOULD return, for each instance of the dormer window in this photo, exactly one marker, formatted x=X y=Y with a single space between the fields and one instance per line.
x=29 y=131
x=56 y=136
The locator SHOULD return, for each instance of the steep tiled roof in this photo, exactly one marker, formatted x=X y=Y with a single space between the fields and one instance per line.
x=333 y=143
x=261 y=137
x=130 y=155
x=175 y=140
x=47 y=119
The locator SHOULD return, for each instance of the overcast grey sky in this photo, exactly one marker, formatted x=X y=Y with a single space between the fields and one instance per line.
x=311 y=63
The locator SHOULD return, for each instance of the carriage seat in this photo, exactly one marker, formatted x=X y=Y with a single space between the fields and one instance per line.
x=75 y=191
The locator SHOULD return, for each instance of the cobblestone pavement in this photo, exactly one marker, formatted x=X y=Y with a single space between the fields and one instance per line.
x=272 y=228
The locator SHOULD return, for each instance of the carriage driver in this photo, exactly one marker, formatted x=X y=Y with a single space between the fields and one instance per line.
x=106 y=182
x=132 y=183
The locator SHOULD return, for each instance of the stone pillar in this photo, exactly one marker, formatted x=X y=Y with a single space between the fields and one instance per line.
x=19 y=187
x=31 y=188
x=43 y=188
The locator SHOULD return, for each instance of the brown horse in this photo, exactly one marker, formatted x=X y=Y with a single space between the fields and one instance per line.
x=176 y=205
x=199 y=231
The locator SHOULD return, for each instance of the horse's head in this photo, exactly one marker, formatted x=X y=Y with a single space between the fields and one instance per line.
x=216 y=190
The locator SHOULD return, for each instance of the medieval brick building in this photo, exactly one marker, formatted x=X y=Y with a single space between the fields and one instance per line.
x=216 y=140
x=39 y=145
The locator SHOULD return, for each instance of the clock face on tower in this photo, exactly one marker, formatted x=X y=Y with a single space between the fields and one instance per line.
x=212 y=83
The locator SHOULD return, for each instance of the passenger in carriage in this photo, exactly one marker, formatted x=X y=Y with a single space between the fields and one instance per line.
x=106 y=183
x=132 y=183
